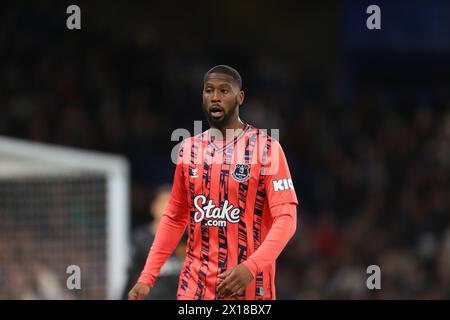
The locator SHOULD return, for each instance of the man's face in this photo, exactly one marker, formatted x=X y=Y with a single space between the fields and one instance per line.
x=221 y=97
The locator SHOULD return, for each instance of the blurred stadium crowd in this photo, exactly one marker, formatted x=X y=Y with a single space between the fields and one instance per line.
x=371 y=168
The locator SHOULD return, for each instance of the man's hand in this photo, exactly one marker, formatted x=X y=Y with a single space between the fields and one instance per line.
x=139 y=291
x=234 y=281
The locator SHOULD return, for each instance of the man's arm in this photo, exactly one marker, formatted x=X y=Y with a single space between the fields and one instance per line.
x=168 y=235
x=282 y=202
x=283 y=228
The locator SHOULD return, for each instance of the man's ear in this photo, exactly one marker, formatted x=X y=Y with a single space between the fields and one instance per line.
x=240 y=98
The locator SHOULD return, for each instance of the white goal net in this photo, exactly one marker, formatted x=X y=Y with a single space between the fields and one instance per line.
x=62 y=207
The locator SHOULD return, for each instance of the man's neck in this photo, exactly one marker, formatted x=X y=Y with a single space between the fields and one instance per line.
x=233 y=128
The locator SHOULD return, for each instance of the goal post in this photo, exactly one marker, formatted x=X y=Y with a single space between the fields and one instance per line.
x=62 y=206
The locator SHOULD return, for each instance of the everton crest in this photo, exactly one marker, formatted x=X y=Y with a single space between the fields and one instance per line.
x=241 y=173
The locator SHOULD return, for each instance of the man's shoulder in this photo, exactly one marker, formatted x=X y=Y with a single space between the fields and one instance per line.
x=268 y=137
x=189 y=141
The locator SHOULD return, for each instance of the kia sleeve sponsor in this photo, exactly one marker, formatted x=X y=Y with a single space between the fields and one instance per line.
x=279 y=185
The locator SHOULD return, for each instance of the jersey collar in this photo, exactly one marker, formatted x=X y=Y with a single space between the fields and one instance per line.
x=236 y=138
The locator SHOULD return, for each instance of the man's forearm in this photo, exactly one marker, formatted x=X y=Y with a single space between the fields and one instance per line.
x=281 y=231
x=167 y=237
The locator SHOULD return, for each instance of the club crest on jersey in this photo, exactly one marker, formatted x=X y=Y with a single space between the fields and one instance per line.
x=241 y=173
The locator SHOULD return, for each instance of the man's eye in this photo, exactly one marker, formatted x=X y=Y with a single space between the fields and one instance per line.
x=224 y=91
x=208 y=90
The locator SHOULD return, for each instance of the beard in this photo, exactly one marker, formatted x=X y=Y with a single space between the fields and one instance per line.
x=221 y=122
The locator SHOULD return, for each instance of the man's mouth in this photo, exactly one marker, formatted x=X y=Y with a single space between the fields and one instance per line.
x=216 y=112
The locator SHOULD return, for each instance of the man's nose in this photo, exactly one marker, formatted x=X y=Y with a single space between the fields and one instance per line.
x=215 y=96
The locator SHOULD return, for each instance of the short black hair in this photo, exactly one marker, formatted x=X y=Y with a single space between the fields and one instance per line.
x=224 y=69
